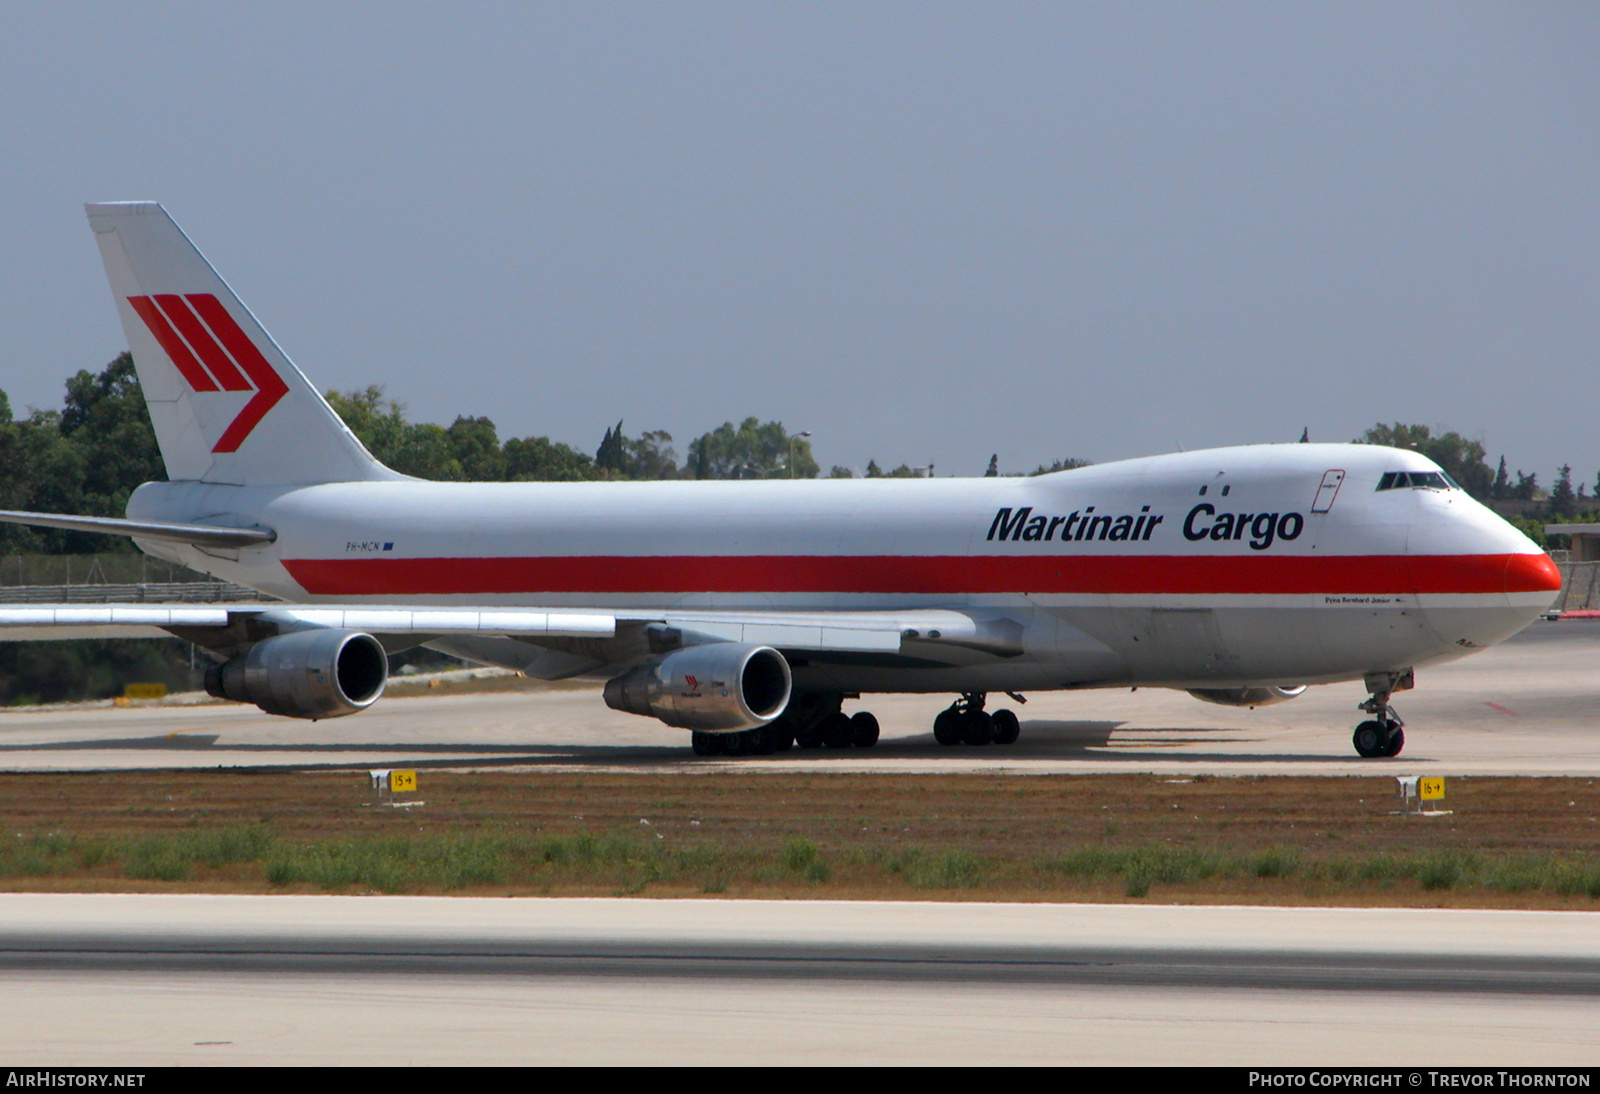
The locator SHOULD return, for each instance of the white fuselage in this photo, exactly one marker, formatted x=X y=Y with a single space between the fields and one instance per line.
x=1218 y=568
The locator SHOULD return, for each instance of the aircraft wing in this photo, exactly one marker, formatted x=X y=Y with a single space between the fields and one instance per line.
x=234 y=625
x=57 y=621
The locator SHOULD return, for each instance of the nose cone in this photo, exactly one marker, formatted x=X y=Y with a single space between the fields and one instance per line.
x=1496 y=580
x=1532 y=574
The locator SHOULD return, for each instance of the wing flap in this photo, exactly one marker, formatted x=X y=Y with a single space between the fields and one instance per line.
x=846 y=632
x=487 y=621
x=793 y=636
x=52 y=622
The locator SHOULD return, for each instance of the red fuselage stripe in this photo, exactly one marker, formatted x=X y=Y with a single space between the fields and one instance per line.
x=1350 y=575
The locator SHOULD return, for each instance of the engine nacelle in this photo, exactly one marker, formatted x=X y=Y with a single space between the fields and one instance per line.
x=307 y=674
x=718 y=687
x=1246 y=697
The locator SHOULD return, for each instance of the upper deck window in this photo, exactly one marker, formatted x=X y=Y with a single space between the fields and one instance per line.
x=1430 y=480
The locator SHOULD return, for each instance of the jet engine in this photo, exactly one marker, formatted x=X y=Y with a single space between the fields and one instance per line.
x=1246 y=697
x=723 y=686
x=307 y=674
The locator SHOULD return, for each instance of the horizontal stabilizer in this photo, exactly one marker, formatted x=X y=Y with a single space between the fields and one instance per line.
x=200 y=535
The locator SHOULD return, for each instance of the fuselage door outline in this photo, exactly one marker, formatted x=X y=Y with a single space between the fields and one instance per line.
x=1331 y=481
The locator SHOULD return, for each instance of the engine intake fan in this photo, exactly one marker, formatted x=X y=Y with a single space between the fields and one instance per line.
x=308 y=674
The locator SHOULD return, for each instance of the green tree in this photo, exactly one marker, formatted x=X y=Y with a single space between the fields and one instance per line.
x=1069 y=464
x=612 y=455
x=379 y=423
x=651 y=456
x=87 y=458
x=41 y=470
x=105 y=415
x=422 y=449
x=752 y=450
x=539 y=459
x=646 y=457
x=477 y=450
x=1562 y=500
x=1501 y=487
x=1527 y=488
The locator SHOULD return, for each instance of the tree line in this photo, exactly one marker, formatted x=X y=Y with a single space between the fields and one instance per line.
x=470 y=450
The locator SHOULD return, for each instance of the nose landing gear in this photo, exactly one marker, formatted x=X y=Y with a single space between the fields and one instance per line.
x=1384 y=734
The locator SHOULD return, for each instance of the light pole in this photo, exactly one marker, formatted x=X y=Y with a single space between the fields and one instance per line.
x=793 y=437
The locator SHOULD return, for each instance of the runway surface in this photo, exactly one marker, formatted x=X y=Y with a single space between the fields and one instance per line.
x=1530 y=706
x=151 y=980
x=147 y=980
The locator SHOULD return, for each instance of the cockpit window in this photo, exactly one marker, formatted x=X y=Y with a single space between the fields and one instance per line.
x=1430 y=480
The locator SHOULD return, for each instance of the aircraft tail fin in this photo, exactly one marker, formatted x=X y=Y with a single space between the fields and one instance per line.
x=227 y=404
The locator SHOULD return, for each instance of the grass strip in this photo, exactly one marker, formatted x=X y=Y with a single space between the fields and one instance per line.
x=258 y=859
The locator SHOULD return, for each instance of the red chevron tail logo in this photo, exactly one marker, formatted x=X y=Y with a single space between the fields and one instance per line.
x=213 y=354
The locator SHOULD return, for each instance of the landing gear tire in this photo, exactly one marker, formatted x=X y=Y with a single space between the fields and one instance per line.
x=837 y=732
x=863 y=729
x=705 y=744
x=734 y=744
x=1378 y=740
x=977 y=727
x=1371 y=740
x=1006 y=727
x=965 y=721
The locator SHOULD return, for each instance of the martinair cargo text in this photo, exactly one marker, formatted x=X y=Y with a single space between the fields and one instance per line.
x=749 y=612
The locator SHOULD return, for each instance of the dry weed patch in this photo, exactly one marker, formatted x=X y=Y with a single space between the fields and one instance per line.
x=1508 y=843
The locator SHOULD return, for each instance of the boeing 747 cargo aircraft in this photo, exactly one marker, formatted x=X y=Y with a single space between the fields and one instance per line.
x=749 y=612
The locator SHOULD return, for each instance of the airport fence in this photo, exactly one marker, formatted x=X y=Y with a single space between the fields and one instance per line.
x=1580 y=587
x=111 y=578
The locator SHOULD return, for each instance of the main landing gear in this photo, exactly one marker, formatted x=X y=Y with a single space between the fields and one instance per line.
x=815 y=721
x=811 y=721
x=966 y=722
x=1384 y=733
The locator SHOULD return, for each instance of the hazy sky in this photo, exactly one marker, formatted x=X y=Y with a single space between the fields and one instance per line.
x=925 y=232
